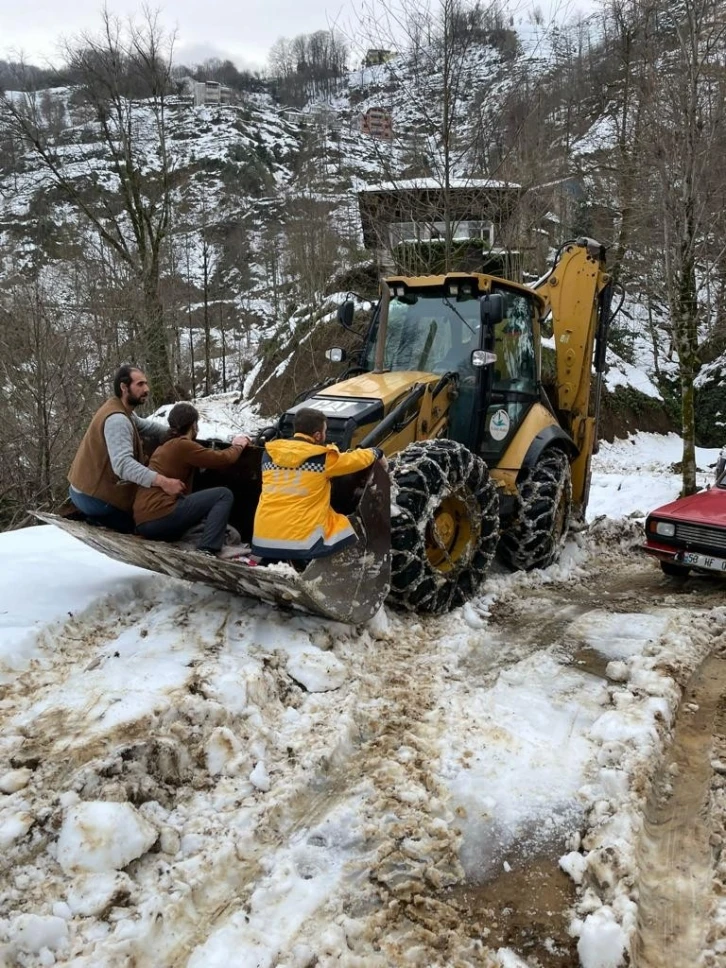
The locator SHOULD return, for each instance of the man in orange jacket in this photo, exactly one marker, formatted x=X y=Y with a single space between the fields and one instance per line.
x=294 y=520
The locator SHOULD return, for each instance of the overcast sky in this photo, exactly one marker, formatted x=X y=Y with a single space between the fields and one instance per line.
x=205 y=28
x=244 y=32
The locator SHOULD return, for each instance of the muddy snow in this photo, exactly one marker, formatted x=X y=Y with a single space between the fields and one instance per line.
x=538 y=778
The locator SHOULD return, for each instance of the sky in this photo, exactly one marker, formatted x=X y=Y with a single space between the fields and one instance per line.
x=242 y=32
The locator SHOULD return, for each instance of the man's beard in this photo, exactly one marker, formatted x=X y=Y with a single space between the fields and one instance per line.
x=134 y=401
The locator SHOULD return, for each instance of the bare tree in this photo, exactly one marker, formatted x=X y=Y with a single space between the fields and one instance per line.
x=454 y=127
x=46 y=390
x=312 y=247
x=686 y=139
x=123 y=76
x=309 y=65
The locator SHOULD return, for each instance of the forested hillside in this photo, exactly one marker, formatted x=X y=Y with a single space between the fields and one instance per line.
x=211 y=243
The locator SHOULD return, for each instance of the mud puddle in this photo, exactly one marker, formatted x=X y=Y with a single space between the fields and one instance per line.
x=675 y=851
x=525 y=908
x=589 y=660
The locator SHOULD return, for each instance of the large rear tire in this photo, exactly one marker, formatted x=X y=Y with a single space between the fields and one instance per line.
x=444 y=525
x=536 y=536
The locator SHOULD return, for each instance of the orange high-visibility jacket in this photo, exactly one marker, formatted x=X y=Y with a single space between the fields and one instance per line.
x=294 y=518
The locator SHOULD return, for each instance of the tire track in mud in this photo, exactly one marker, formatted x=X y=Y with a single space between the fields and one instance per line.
x=416 y=842
x=676 y=851
x=406 y=890
x=424 y=913
x=404 y=885
x=56 y=732
x=395 y=887
x=524 y=910
x=65 y=652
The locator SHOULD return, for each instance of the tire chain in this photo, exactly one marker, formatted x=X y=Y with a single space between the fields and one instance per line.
x=530 y=542
x=424 y=474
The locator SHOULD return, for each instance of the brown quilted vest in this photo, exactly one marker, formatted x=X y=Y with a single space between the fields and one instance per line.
x=91 y=471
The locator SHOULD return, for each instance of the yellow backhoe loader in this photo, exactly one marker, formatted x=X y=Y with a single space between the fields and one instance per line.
x=484 y=459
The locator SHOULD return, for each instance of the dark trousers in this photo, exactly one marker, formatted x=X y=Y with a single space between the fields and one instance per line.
x=213 y=506
x=100 y=512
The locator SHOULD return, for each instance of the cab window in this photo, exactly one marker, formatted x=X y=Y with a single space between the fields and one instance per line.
x=513 y=343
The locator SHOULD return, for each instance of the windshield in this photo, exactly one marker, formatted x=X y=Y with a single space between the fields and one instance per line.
x=434 y=332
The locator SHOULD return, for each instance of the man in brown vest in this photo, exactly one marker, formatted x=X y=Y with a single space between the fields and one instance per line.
x=109 y=464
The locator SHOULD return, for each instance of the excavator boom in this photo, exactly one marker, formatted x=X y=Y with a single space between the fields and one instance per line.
x=578 y=292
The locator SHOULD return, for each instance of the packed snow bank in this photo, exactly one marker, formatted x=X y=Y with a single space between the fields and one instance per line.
x=53 y=577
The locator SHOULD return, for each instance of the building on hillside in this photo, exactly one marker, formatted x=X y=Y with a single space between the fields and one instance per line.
x=405 y=225
x=377 y=122
x=208 y=92
x=377 y=55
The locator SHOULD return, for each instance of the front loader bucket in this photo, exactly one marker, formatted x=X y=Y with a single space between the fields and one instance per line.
x=347 y=587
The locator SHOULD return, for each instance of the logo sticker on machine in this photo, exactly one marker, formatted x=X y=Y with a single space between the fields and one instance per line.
x=499 y=425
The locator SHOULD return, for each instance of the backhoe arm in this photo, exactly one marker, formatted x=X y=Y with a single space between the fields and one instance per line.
x=578 y=291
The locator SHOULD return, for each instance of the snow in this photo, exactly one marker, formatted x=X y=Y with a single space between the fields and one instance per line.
x=32 y=603
x=602 y=941
x=190 y=772
x=34 y=933
x=221 y=416
x=101 y=837
x=316 y=672
x=622 y=373
x=422 y=184
x=633 y=476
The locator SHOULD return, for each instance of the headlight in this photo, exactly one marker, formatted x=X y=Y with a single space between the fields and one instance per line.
x=665 y=528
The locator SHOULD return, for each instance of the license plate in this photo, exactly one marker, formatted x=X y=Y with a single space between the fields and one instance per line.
x=702 y=561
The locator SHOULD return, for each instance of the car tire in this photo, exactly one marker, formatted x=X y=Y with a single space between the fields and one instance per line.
x=675 y=571
x=444 y=525
x=536 y=536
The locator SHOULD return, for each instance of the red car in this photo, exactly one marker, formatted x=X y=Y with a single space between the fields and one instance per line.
x=690 y=532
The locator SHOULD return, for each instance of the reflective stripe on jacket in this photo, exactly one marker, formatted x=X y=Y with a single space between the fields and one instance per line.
x=294 y=518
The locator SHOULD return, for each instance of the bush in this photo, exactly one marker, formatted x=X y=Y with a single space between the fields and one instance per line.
x=711 y=413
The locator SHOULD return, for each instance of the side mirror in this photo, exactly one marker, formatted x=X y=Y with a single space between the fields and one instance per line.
x=336 y=354
x=491 y=308
x=346 y=311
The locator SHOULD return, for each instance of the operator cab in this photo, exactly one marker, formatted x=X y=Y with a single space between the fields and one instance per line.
x=435 y=329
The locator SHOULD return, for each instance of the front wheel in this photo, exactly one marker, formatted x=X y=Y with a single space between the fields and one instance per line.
x=537 y=534
x=444 y=525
